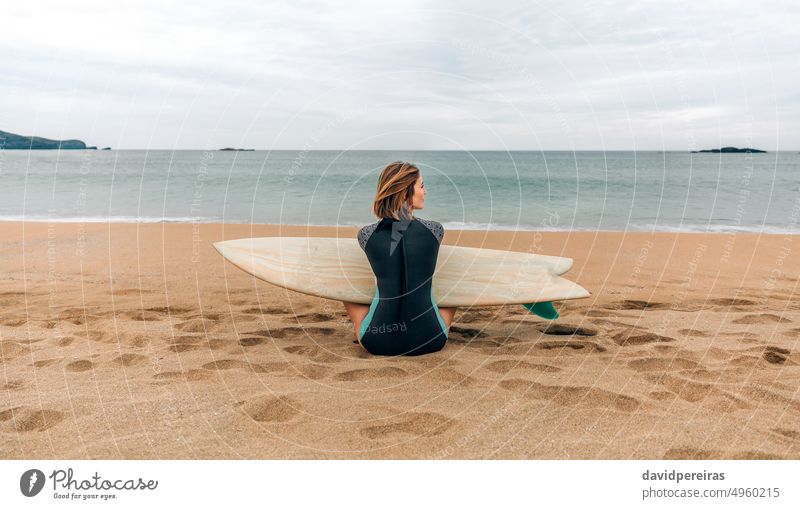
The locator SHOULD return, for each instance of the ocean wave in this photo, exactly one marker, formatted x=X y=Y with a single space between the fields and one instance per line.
x=109 y=219
x=454 y=225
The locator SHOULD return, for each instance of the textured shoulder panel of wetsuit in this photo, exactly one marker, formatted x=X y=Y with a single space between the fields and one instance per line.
x=435 y=227
x=364 y=234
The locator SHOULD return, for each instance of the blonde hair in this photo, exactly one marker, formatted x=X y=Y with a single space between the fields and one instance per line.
x=395 y=189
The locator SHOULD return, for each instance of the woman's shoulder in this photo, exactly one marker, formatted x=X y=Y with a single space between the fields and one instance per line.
x=435 y=227
x=365 y=232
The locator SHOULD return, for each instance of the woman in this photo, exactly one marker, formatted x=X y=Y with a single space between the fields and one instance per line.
x=403 y=318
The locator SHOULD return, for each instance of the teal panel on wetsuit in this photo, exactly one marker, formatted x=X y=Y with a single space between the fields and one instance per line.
x=438 y=316
x=543 y=309
x=368 y=318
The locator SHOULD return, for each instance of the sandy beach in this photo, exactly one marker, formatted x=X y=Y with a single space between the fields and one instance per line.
x=138 y=341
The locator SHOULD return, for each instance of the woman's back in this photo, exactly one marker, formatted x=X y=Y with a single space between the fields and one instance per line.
x=403 y=318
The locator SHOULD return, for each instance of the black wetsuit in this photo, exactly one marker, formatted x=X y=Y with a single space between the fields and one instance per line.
x=403 y=318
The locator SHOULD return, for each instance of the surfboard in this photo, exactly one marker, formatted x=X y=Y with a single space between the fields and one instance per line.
x=338 y=269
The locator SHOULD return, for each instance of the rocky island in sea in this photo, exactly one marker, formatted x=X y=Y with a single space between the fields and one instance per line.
x=11 y=141
x=731 y=150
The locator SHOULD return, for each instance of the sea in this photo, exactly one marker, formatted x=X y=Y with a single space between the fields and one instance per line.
x=482 y=190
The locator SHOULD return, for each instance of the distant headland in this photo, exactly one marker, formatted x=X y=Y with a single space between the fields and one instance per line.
x=231 y=149
x=11 y=141
x=733 y=150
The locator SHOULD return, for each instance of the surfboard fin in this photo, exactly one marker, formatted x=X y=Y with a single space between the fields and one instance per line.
x=543 y=309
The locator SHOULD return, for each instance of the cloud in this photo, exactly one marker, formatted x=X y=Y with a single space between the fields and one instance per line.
x=427 y=74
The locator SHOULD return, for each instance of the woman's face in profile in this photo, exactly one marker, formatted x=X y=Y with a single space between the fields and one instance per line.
x=418 y=198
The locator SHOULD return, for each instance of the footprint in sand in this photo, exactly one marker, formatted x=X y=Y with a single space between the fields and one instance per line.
x=45 y=362
x=190 y=375
x=788 y=433
x=132 y=339
x=748 y=337
x=504 y=366
x=64 y=341
x=253 y=341
x=627 y=338
x=23 y=419
x=13 y=385
x=731 y=302
x=566 y=330
x=757 y=393
x=689 y=453
x=355 y=375
x=416 y=424
x=129 y=359
x=600 y=313
x=635 y=305
x=184 y=347
x=80 y=316
x=228 y=364
x=747 y=361
x=191 y=343
x=225 y=364
x=484 y=345
x=590 y=397
x=10 y=350
x=188 y=339
x=572 y=345
x=761 y=318
x=130 y=291
x=14 y=322
x=457 y=340
x=79 y=366
x=170 y=310
x=313 y=353
x=294 y=332
x=467 y=332
x=663 y=364
x=311 y=371
x=18 y=295
x=141 y=315
x=662 y=395
x=693 y=333
x=444 y=374
x=314 y=317
x=270 y=408
x=93 y=335
x=476 y=316
x=311 y=331
x=687 y=390
x=776 y=355
x=273 y=333
x=267 y=311
x=195 y=325
x=617 y=323
x=206 y=315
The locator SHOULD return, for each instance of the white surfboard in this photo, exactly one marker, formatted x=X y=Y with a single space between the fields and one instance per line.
x=337 y=268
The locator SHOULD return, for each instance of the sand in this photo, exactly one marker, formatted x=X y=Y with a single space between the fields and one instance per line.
x=126 y=341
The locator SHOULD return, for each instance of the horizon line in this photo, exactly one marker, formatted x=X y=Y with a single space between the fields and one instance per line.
x=393 y=150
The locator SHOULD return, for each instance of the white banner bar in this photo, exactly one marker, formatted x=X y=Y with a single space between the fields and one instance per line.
x=400 y=484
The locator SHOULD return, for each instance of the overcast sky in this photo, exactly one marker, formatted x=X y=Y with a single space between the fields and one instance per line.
x=439 y=74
